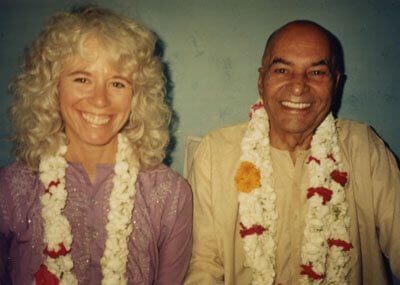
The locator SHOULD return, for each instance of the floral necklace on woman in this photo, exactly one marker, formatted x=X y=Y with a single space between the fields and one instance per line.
x=57 y=237
x=326 y=240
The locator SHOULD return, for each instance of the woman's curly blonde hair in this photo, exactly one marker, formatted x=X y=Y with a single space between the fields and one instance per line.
x=37 y=126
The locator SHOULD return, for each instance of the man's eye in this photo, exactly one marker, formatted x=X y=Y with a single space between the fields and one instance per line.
x=318 y=72
x=280 y=70
x=118 y=84
x=81 y=80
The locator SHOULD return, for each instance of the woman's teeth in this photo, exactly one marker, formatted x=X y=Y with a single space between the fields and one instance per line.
x=96 y=119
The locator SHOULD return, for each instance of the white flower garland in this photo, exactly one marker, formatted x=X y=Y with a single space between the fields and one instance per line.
x=324 y=252
x=57 y=230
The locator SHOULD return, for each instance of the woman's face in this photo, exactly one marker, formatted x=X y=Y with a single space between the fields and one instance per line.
x=95 y=98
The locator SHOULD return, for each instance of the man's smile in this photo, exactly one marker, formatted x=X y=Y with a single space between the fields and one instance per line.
x=294 y=105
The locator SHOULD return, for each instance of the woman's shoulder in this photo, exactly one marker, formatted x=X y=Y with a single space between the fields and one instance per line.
x=18 y=183
x=16 y=173
x=17 y=192
x=164 y=183
x=161 y=174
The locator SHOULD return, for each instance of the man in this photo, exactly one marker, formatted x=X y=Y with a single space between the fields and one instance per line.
x=294 y=196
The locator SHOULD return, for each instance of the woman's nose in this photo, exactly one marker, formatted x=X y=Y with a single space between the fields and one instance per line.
x=100 y=96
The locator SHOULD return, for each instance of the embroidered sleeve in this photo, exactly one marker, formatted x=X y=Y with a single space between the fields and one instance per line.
x=176 y=249
x=4 y=226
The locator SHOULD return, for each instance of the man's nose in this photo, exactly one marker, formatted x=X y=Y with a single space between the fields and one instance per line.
x=299 y=84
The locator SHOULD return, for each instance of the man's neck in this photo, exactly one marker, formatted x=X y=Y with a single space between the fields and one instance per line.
x=290 y=142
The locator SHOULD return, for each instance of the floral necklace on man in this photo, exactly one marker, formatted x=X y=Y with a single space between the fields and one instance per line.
x=326 y=240
x=57 y=237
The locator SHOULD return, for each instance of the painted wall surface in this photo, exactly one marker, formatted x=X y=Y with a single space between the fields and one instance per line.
x=212 y=50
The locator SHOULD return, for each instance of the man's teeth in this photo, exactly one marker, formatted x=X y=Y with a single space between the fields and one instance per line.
x=294 y=105
x=95 y=119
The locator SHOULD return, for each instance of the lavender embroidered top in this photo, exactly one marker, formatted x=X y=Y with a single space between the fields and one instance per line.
x=159 y=247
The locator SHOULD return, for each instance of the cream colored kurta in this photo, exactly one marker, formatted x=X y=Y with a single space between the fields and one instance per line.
x=373 y=194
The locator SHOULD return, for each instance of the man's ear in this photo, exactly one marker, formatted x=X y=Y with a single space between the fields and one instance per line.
x=337 y=80
x=260 y=82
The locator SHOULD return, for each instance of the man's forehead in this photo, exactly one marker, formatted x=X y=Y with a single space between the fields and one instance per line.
x=287 y=61
x=300 y=40
x=301 y=35
x=304 y=29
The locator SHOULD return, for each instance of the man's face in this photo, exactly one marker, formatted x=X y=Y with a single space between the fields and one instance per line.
x=295 y=81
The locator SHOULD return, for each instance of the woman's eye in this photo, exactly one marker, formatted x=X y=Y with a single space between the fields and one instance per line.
x=81 y=80
x=118 y=84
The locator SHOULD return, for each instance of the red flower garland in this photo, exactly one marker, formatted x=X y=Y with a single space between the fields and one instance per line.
x=255 y=107
x=45 y=277
x=325 y=193
x=330 y=156
x=339 y=177
x=309 y=271
x=54 y=254
x=346 y=246
x=254 y=229
x=52 y=183
x=312 y=158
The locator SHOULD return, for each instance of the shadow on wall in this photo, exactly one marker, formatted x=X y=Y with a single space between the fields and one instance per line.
x=169 y=86
x=337 y=100
x=386 y=144
x=339 y=61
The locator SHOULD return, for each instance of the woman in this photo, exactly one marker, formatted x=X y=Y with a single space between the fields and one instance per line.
x=88 y=199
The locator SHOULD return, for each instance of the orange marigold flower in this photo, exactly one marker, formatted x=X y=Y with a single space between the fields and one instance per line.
x=247 y=177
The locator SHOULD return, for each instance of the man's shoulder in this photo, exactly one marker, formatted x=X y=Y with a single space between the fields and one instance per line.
x=230 y=134
x=352 y=130
x=350 y=123
x=358 y=137
x=222 y=143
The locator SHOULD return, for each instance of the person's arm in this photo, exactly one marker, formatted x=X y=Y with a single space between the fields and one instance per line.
x=206 y=266
x=176 y=250
x=4 y=231
x=385 y=176
x=4 y=276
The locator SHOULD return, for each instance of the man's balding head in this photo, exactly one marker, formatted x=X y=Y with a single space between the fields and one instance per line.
x=304 y=27
x=298 y=80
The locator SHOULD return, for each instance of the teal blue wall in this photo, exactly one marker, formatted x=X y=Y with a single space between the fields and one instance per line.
x=213 y=49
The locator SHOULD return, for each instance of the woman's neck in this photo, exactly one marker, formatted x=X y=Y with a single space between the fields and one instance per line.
x=91 y=155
